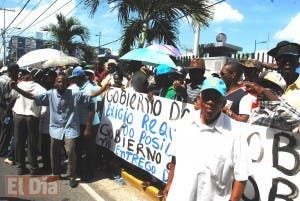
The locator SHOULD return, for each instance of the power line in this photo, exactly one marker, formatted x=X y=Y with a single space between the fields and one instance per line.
x=52 y=13
x=25 y=17
x=74 y=7
x=18 y=14
x=111 y=42
x=38 y=17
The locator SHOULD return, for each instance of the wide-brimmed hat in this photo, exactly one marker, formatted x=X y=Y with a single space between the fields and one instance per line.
x=196 y=63
x=111 y=61
x=164 y=69
x=272 y=78
x=250 y=63
x=285 y=47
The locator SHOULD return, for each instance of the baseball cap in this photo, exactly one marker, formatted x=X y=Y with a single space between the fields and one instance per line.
x=89 y=71
x=272 y=78
x=285 y=48
x=214 y=83
x=78 y=71
x=89 y=66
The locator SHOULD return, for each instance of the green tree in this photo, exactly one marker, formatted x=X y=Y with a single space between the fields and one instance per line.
x=89 y=52
x=145 y=21
x=66 y=31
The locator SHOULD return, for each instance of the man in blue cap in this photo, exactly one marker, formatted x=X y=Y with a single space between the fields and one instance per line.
x=89 y=124
x=211 y=161
x=286 y=55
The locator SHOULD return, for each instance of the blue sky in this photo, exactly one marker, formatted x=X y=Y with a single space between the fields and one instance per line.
x=243 y=21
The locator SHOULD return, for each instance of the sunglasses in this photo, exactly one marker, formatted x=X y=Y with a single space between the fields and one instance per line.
x=224 y=73
x=285 y=58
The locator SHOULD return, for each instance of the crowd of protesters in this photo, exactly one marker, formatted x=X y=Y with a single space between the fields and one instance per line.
x=67 y=102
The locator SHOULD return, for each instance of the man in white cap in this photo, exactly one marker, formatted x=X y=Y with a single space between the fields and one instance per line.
x=211 y=161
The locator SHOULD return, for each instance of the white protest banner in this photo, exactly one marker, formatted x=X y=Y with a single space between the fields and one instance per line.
x=140 y=131
x=276 y=165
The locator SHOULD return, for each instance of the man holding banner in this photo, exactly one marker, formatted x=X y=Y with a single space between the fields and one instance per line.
x=211 y=162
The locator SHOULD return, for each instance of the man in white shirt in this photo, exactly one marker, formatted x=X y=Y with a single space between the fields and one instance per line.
x=210 y=162
x=26 y=122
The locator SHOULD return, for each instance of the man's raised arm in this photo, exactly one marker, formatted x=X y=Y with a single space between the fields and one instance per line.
x=101 y=90
x=26 y=94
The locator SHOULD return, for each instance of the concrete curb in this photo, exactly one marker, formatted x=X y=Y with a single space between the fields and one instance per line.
x=150 y=191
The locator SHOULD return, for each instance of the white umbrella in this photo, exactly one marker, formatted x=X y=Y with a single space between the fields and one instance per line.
x=37 y=57
x=61 y=61
x=168 y=49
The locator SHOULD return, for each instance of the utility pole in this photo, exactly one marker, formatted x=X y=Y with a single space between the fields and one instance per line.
x=99 y=35
x=3 y=34
x=255 y=43
x=196 y=40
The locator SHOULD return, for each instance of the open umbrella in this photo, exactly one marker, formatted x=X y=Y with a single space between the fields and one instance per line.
x=37 y=57
x=149 y=57
x=168 y=49
x=61 y=60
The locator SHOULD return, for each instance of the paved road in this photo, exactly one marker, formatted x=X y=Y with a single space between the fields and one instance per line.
x=101 y=188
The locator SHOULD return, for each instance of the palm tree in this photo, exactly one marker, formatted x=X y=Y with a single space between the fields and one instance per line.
x=65 y=32
x=145 y=21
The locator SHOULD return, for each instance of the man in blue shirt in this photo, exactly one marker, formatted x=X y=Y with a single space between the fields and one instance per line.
x=64 y=121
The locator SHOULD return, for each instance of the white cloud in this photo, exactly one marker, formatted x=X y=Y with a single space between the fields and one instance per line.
x=291 y=31
x=224 y=12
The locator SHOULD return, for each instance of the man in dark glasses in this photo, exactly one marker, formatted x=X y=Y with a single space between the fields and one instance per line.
x=286 y=55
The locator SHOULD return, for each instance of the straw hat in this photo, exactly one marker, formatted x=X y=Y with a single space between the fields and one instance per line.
x=196 y=63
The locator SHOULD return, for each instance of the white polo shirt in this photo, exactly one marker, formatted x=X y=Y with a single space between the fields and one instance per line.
x=208 y=157
x=25 y=106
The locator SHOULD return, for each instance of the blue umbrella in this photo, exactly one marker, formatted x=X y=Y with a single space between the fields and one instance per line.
x=149 y=57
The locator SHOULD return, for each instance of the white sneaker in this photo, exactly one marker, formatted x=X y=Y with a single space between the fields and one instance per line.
x=7 y=161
